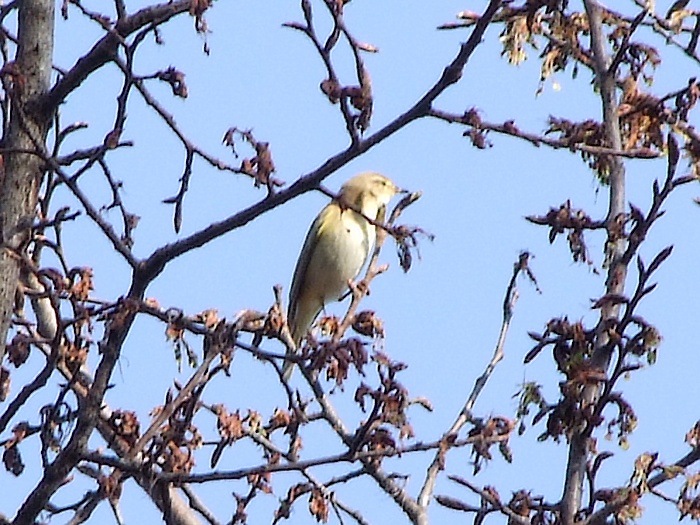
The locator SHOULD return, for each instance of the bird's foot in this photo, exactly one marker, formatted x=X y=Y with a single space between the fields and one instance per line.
x=360 y=288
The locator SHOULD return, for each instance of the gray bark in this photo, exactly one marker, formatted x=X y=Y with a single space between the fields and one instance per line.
x=28 y=126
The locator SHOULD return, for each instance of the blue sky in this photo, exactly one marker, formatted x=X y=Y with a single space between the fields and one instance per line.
x=443 y=317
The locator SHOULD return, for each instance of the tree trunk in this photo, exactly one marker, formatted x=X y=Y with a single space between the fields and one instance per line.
x=27 y=80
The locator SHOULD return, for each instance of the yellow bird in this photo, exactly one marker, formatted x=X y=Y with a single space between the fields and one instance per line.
x=336 y=248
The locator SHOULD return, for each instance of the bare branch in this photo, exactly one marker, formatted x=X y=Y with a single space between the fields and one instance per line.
x=606 y=81
x=104 y=50
x=465 y=415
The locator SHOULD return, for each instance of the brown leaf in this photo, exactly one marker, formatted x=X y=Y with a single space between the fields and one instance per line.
x=4 y=383
x=126 y=425
x=332 y=90
x=230 y=426
x=12 y=460
x=693 y=436
x=209 y=318
x=74 y=356
x=367 y=323
x=18 y=350
x=318 y=506
x=175 y=78
x=280 y=419
x=111 y=486
x=14 y=73
x=197 y=10
x=81 y=289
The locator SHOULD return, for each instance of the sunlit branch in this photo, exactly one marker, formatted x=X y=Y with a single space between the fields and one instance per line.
x=510 y=129
x=465 y=415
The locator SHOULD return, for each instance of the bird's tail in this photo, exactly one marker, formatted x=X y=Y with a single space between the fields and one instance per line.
x=297 y=337
x=300 y=321
x=288 y=370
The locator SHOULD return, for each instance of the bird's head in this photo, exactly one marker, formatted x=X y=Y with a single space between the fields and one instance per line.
x=369 y=187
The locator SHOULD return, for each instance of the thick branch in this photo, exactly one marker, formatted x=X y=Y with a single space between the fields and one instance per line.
x=605 y=78
x=104 y=50
x=20 y=182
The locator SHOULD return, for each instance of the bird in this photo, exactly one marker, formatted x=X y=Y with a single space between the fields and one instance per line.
x=336 y=248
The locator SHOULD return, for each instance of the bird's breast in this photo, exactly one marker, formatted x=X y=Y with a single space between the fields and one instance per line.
x=341 y=254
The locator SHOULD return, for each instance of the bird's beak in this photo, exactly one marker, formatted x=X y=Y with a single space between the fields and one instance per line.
x=401 y=190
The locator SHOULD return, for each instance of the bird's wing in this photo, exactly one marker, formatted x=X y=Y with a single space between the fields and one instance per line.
x=315 y=231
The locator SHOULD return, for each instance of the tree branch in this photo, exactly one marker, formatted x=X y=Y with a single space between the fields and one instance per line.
x=105 y=49
x=606 y=81
x=465 y=415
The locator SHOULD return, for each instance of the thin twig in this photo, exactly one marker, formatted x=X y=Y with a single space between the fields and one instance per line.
x=511 y=130
x=168 y=410
x=465 y=415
